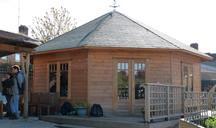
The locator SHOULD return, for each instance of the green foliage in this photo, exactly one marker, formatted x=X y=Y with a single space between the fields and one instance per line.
x=122 y=79
x=210 y=122
x=81 y=105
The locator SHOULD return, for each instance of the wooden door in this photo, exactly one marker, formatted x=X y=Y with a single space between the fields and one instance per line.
x=129 y=85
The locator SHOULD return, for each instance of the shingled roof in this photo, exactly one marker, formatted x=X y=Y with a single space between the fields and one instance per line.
x=16 y=40
x=115 y=30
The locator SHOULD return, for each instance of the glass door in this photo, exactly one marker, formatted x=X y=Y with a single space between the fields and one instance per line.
x=130 y=80
x=123 y=86
x=138 y=91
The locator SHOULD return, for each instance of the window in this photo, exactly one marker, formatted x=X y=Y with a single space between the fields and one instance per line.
x=139 y=79
x=17 y=57
x=123 y=81
x=4 y=58
x=64 y=80
x=187 y=76
x=127 y=76
x=52 y=77
x=58 y=78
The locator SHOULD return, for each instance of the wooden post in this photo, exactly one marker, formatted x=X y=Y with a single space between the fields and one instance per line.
x=1 y=109
x=147 y=103
x=26 y=92
x=168 y=102
x=183 y=100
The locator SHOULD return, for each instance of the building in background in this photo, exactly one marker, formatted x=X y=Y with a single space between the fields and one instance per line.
x=208 y=71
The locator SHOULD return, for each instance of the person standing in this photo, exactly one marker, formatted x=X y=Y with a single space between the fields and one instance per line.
x=17 y=89
x=7 y=84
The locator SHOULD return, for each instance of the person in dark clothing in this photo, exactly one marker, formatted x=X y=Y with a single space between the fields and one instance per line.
x=7 y=83
x=17 y=91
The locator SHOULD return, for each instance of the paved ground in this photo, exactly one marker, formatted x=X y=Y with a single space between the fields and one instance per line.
x=35 y=123
x=109 y=122
x=32 y=123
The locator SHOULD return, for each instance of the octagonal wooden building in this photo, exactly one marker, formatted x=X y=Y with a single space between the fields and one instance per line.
x=108 y=60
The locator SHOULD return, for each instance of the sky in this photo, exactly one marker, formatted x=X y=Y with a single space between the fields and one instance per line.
x=189 y=21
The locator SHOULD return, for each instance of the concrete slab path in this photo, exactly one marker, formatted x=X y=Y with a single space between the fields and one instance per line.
x=33 y=123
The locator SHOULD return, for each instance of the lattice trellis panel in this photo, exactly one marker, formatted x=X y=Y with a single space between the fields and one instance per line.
x=195 y=105
x=212 y=103
x=164 y=102
x=158 y=101
x=175 y=101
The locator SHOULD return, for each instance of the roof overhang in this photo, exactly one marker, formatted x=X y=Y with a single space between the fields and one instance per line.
x=14 y=43
x=203 y=57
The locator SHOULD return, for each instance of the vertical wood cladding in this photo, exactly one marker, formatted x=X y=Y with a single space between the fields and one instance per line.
x=78 y=75
x=92 y=72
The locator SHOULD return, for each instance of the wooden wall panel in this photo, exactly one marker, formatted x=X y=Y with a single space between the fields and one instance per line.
x=177 y=60
x=78 y=74
x=163 y=67
x=92 y=72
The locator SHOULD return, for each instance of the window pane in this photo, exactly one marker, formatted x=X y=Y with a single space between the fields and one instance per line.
x=123 y=84
x=64 y=80
x=52 y=77
x=187 y=77
x=17 y=57
x=139 y=76
x=4 y=58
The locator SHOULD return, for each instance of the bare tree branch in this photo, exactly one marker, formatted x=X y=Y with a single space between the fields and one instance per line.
x=54 y=23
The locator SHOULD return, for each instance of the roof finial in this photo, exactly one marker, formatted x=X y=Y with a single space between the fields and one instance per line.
x=114 y=5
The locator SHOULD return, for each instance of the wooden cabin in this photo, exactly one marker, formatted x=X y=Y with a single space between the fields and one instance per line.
x=110 y=59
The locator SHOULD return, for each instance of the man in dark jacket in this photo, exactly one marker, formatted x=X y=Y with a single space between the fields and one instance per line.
x=19 y=79
x=7 y=83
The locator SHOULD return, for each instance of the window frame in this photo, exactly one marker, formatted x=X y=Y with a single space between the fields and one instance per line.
x=67 y=78
x=131 y=62
x=134 y=78
x=48 y=76
x=190 y=71
x=58 y=74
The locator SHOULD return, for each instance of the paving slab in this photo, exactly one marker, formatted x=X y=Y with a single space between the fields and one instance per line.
x=33 y=122
x=109 y=122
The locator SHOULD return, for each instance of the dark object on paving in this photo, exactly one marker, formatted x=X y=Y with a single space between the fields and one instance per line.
x=96 y=110
x=66 y=108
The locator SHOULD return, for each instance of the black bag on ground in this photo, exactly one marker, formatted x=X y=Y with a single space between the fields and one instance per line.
x=66 y=108
x=96 y=110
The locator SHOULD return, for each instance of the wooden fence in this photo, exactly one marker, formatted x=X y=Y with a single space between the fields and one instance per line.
x=164 y=102
x=212 y=101
x=3 y=71
x=196 y=106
